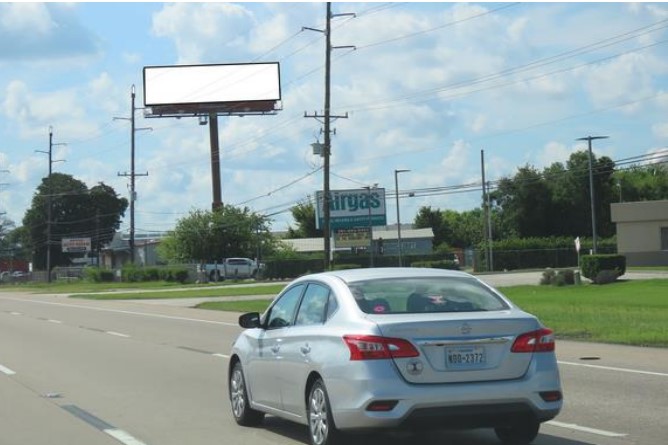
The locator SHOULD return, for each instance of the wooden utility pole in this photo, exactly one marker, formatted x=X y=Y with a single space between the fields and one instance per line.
x=327 y=148
x=132 y=174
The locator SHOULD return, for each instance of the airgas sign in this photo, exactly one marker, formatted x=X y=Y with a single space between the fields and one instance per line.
x=352 y=208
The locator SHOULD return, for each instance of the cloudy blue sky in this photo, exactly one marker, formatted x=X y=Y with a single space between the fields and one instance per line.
x=428 y=87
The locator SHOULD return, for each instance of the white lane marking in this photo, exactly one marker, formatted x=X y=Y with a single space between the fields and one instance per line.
x=6 y=370
x=55 y=321
x=221 y=355
x=585 y=429
x=117 y=334
x=123 y=437
x=118 y=311
x=610 y=368
x=15 y=313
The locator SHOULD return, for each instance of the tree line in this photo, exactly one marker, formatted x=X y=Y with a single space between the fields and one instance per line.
x=554 y=202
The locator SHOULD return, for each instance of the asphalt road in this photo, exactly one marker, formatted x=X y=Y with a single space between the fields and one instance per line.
x=108 y=372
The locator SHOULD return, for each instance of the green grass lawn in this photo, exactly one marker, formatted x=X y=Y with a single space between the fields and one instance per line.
x=626 y=312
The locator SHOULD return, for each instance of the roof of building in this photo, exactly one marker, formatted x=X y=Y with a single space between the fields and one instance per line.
x=386 y=233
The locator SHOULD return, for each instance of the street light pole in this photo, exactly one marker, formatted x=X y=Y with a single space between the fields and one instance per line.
x=368 y=199
x=591 y=189
x=396 y=190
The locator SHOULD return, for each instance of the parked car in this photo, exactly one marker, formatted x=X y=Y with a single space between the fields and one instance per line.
x=232 y=268
x=388 y=348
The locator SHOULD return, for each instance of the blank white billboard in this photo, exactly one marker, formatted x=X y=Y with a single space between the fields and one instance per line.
x=202 y=84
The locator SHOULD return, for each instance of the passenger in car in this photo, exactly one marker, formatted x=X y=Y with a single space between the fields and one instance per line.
x=361 y=300
x=417 y=301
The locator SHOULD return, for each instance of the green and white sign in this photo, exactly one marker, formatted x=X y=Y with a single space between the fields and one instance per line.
x=349 y=209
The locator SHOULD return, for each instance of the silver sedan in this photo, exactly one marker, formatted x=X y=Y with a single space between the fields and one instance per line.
x=395 y=348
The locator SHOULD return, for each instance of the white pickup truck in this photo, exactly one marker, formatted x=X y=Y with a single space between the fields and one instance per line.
x=231 y=268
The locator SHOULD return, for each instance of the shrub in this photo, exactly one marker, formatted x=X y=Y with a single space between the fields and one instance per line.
x=606 y=277
x=562 y=277
x=345 y=266
x=548 y=277
x=174 y=274
x=437 y=264
x=97 y=275
x=131 y=274
x=151 y=274
x=593 y=265
x=568 y=276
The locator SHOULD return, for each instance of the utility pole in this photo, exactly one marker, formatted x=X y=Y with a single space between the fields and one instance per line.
x=592 y=199
x=487 y=223
x=215 y=162
x=132 y=174
x=49 y=200
x=327 y=118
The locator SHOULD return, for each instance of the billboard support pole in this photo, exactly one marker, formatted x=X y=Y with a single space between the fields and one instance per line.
x=215 y=162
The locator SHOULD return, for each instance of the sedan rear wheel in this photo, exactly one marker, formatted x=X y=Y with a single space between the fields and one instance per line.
x=322 y=430
x=519 y=434
x=243 y=414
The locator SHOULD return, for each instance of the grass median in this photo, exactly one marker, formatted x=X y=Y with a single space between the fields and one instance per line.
x=220 y=291
x=626 y=312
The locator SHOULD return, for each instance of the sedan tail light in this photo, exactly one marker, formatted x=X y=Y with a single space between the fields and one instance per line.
x=372 y=347
x=541 y=340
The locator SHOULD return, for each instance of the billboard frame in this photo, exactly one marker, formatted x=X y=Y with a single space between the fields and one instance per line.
x=218 y=101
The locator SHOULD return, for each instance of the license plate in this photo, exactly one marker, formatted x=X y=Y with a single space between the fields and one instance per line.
x=465 y=357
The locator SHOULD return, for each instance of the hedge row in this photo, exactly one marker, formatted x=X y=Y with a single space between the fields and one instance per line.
x=540 y=253
x=134 y=274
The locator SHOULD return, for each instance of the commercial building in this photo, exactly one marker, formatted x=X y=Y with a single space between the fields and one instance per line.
x=642 y=232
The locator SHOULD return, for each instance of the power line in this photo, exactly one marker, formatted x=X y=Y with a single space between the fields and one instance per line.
x=437 y=28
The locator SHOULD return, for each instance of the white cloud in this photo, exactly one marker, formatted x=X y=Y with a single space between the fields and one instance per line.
x=456 y=159
x=660 y=130
x=479 y=123
x=624 y=79
x=553 y=152
x=43 y=31
x=28 y=18
x=199 y=29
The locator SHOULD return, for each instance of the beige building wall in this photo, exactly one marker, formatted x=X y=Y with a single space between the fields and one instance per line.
x=639 y=227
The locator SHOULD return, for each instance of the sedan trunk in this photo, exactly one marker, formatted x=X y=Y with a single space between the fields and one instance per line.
x=460 y=347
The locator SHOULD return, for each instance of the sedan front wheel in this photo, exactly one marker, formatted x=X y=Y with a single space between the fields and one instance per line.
x=243 y=414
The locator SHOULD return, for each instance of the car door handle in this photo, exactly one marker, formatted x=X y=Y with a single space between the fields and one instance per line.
x=305 y=349
x=275 y=349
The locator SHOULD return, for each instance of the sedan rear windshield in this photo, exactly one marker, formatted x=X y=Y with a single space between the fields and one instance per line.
x=421 y=295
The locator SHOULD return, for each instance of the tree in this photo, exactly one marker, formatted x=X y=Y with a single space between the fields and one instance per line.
x=304 y=215
x=208 y=236
x=525 y=203
x=76 y=212
x=641 y=183
x=6 y=227
x=433 y=219
x=571 y=196
x=466 y=227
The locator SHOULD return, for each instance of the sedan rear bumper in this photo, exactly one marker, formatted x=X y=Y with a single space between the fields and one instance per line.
x=459 y=405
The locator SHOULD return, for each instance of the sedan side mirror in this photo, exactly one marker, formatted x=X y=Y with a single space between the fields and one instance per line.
x=250 y=320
